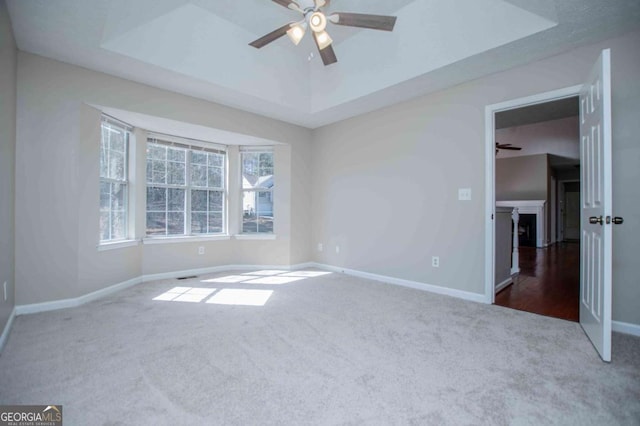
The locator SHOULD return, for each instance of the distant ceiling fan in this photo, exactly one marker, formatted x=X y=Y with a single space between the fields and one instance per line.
x=508 y=146
x=315 y=18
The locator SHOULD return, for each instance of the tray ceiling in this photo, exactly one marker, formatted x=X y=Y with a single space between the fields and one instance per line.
x=200 y=47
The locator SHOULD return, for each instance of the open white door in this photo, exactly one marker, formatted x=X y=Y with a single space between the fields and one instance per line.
x=595 y=160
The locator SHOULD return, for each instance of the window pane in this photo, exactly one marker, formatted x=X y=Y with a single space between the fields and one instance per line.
x=116 y=165
x=104 y=225
x=159 y=174
x=266 y=164
x=175 y=223
x=156 y=199
x=198 y=201
x=199 y=158
x=105 y=196
x=216 y=160
x=258 y=211
x=215 y=177
x=215 y=201
x=198 y=175
x=118 y=196
x=156 y=224
x=215 y=222
x=119 y=225
x=117 y=140
x=156 y=152
x=250 y=170
x=175 y=200
x=199 y=223
x=176 y=175
x=104 y=160
x=177 y=155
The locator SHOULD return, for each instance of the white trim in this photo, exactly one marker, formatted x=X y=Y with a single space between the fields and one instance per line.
x=223 y=268
x=460 y=294
x=90 y=297
x=626 y=328
x=74 y=302
x=490 y=207
x=255 y=236
x=113 y=245
x=184 y=239
x=158 y=138
x=490 y=172
x=504 y=284
x=620 y=327
x=7 y=329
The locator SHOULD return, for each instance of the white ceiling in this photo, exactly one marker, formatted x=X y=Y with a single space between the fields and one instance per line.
x=200 y=47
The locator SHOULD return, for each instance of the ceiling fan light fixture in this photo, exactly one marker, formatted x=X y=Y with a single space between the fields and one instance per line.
x=318 y=22
x=323 y=39
x=296 y=32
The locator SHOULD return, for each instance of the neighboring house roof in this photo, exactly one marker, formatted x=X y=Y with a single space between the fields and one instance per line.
x=257 y=181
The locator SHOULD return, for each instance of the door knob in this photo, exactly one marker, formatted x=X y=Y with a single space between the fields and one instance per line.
x=595 y=220
x=618 y=220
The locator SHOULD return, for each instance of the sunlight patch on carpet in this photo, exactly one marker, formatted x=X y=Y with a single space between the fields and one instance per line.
x=185 y=294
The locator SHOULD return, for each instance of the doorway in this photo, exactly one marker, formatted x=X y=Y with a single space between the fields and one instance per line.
x=538 y=159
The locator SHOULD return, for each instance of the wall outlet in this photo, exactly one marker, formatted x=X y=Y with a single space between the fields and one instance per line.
x=435 y=261
x=464 y=194
x=200 y=250
x=337 y=249
x=4 y=286
x=320 y=247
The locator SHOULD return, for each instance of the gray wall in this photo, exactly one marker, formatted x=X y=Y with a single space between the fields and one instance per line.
x=385 y=184
x=522 y=178
x=8 y=54
x=57 y=184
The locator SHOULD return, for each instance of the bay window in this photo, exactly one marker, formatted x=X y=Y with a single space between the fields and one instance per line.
x=185 y=188
x=257 y=189
x=114 y=180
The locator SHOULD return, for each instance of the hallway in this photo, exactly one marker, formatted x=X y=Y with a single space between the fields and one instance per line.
x=549 y=282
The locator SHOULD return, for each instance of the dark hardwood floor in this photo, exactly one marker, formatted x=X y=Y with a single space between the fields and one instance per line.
x=549 y=282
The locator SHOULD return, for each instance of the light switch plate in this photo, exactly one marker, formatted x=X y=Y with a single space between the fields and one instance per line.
x=464 y=194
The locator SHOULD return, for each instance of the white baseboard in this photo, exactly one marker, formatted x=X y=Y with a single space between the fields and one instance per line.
x=503 y=284
x=7 y=329
x=626 y=328
x=215 y=269
x=617 y=326
x=460 y=294
x=90 y=297
x=77 y=301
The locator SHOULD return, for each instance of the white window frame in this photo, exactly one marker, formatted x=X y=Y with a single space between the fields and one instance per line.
x=255 y=150
x=117 y=125
x=189 y=146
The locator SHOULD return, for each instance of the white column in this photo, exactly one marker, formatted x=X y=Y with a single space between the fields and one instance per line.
x=515 y=257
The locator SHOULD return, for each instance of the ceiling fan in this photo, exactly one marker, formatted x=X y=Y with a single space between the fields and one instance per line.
x=315 y=18
x=508 y=146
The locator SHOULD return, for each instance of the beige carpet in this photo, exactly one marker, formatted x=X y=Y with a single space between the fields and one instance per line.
x=326 y=350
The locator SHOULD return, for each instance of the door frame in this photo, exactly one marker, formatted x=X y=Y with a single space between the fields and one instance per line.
x=490 y=175
x=561 y=192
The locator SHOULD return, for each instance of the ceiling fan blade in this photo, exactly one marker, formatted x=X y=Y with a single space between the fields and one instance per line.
x=361 y=20
x=272 y=36
x=289 y=4
x=322 y=3
x=512 y=148
x=327 y=54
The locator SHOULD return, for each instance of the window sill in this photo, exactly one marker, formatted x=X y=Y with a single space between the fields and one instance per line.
x=181 y=239
x=117 y=245
x=255 y=236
